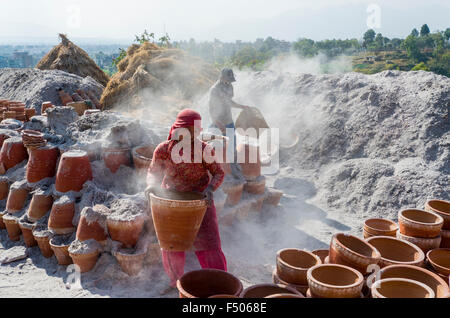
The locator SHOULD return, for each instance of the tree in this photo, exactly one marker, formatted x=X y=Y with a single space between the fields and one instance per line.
x=305 y=48
x=412 y=49
x=425 y=30
x=415 y=33
x=447 y=34
x=368 y=37
x=145 y=37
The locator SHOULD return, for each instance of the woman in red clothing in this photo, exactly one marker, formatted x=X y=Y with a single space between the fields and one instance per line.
x=189 y=176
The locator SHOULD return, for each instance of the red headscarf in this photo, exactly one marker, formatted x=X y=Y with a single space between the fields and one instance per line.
x=186 y=118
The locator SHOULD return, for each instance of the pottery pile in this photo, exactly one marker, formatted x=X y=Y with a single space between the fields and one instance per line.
x=33 y=139
x=15 y=110
x=441 y=208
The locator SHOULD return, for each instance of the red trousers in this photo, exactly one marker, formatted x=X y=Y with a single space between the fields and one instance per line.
x=207 y=249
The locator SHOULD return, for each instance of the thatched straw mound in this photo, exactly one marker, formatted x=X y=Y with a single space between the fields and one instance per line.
x=150 y=73
x=70 y=58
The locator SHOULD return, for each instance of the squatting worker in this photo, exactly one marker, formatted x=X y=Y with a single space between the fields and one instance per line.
x=220 y=104
x=190 y=177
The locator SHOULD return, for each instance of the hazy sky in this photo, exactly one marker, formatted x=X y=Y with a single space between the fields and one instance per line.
x=227 y=20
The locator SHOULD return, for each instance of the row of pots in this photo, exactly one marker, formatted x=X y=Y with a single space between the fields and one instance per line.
x=15 y=110
x=140 y=156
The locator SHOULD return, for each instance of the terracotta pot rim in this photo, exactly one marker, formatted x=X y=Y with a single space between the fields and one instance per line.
x=285 y=296
x=375 y=258
x=372 y=230
x=379 y=282
x=210 y=270
x=437 y=210
x=137 y=218
x=415 y=247
x=439 y=222
x=292 y=290
x=433 y=263
x=280 y=259
x=85 y=255
x=282 y=282
x=174 y=203
x=348 y=268
x=137 y=155
x=425 y=239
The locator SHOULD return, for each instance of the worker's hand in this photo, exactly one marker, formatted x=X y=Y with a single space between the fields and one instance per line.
x=209 y=196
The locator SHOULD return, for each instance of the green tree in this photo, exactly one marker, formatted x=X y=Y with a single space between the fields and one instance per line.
x=305 y=48
x=425 y=30
x=447 y=34
x=368 y=37
x=412 y=49
x=145 y=37
x=415 y=33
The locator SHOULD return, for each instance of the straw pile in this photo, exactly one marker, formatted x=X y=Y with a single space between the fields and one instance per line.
x=70 y=58
x=149 y=72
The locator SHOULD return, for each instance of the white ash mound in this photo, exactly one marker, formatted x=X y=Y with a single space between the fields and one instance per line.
x=371 y=144
x=33 y=86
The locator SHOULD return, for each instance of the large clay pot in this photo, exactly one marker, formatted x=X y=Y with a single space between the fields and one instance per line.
x=426 y=244
x=293 y=264
x=273 y=197
x=351 y=251
x=300 y=288
x=131 y=263
x=92 y=225
x=418 y=223
x=264 y=290
x=445 y=242
x=205 y=283
x=17 y=198
x=394 y=251
x=12 y=226
x=42 y=163
x=13 y=152
x=142 y=157
x=116 y=157
x=380 y=227
x=250 y=160
x=322 y=254
x=233 y=192
x=27 y=233
x=73 y=171
x=40 y=205
x=61 y=251
x=442 y=208
x=86 y=262
x=439 y=286
x=256 y=187
x=335 y=281
x=401 y=288
x=177 y=218
x=4 y=189
x=440 y=260
x=43 y=239
x=61 y=216
x=126 y=232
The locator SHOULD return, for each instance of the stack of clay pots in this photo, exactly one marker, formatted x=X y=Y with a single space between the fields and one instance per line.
x=33 y=139
x=15 y=110
x=421 y=228
x=441 y=208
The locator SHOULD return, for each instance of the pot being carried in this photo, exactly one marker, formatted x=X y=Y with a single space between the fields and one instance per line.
x=177 y=218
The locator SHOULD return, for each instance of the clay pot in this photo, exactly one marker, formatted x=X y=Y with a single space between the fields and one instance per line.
x=73 y=171
x=380 y=227
x=322 y=254
x=401 y=288
x=27 y=233
x=13 y=152
x=93 y=230
x=80 y=107
x=16 y=199
x=131 y=263
x=426 y=244
x=4 y=189
x=61 y=216
x=61 y=252
x=44 y=244
x=205 y=283
x=293 y=264
x=65 y=98
x=440 y=260
x=250 y=160
x=30 y=112
x=40 y=205
x=12 y=226
x=233 y=192
x=257 y=186
x=264 y=290
x=142 y=157
x=418 y=223
x=445 y=242
x=45 y=106
x=441 y=208
x=33 y=139
x=351 y=251
x=42 y=163
x=439 y=286
x=177 y=218
x=394 y=251
x=335 y=281
x=115 y=157
x=274 y=197
x=285 y=296
x=126 y=232
x=86 y=262
x=277 y=280
x=2 y=224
